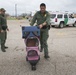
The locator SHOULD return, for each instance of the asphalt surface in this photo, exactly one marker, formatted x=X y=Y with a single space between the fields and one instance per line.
x=62 y=51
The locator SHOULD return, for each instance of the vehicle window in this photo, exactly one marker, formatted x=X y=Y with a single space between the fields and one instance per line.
x=59 y=16
x=65 y=16
x=53 y=15
x=71 y=16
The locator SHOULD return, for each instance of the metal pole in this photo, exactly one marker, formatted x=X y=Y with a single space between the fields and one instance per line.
x=16 y=10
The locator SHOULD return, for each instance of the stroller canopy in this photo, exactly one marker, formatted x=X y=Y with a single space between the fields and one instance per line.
x=30 y=31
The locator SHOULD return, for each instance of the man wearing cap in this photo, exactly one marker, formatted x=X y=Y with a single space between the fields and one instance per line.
x=43 y=21
x=0 y=20
x=3 y=29
x=2 y=34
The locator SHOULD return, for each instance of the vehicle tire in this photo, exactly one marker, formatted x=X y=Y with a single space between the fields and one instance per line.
x=61 y=25
x=74 y=24
x=39 y=57
x=53 y=26
x=67 y=25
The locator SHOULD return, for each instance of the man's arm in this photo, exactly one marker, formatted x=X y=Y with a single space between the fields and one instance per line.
x=0 y=24
x=47 y=22
x=48 y=19
x=7 y=25
x=1 y=30
x=0 y=27
x=33 y=20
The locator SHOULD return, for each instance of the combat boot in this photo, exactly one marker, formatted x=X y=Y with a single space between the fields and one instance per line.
x=46 y=57
x=3 y=48
x=41 y=49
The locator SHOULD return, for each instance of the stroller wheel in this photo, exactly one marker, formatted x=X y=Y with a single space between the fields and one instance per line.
x=26 y=59
x=39 y=58
x=33 y=68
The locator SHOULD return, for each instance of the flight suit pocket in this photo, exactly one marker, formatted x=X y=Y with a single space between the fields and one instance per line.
x=38 y=18
x=2 y=35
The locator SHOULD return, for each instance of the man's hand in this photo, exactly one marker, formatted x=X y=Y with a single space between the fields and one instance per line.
x=7 y=29
x=44 y=23
x=2 y=31
x=40 y=26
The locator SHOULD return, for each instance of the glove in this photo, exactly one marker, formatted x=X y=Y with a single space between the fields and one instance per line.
x=4 y=27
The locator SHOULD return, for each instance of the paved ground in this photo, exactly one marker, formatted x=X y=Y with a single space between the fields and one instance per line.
x=62 y=51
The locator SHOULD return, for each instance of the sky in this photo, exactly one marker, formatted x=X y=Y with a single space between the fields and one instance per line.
x=33 y=5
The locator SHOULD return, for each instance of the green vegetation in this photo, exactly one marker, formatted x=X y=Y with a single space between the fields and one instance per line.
x=12 y=18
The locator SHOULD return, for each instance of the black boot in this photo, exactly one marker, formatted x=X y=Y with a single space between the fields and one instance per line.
x=41 y=49
x=46 y=56
x=2 y=48
x=5 y=47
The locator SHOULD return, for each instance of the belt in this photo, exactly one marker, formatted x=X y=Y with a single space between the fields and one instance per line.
x=46 y=27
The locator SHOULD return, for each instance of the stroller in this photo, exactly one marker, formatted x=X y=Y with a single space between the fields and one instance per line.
x=31 y=35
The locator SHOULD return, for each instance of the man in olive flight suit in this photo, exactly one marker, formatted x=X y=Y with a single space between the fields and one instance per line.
x=43 y=21
x=2 y=34
x=3 y=29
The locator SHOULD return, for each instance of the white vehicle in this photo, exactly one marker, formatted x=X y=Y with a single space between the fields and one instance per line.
x=62 y=19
